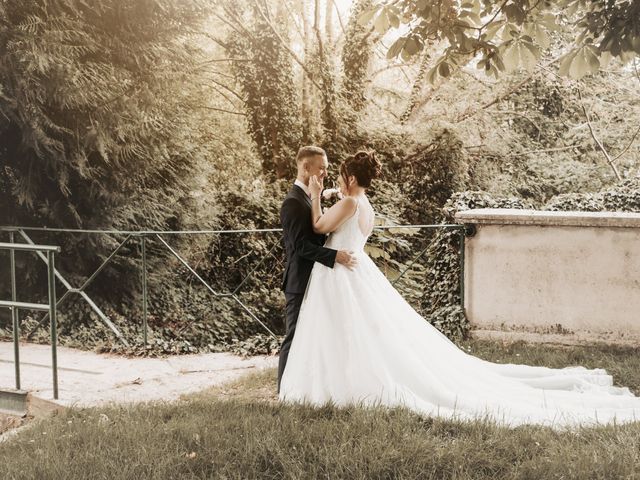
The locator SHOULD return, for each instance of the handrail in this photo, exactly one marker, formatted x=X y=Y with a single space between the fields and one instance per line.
x=29 y=248
x=42 y=307
x=15 y=306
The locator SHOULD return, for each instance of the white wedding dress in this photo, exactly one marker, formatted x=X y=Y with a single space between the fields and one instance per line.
x=357 y=341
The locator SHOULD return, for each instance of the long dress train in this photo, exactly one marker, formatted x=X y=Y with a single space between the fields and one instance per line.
x=358 y=341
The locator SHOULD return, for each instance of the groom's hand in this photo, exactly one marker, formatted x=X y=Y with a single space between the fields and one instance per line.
x=346 y=258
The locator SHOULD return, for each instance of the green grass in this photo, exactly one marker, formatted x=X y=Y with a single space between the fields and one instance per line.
x=242 y=431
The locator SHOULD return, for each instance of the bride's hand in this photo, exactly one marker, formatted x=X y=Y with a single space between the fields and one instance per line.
x=315 y=187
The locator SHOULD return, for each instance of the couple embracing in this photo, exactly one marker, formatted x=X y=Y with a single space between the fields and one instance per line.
x=352 y=339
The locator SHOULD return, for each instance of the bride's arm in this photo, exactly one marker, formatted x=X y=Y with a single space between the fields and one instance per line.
x=335 y=216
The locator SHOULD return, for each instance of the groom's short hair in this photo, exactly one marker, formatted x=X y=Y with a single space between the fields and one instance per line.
x=308 y=152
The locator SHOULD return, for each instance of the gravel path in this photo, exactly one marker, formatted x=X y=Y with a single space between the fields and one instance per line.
x=89 y=379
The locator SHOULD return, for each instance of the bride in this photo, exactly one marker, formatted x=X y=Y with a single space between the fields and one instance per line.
x=358 y=341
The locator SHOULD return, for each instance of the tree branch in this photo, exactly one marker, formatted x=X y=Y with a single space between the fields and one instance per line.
x=595 y=139
x=223 y=95
x=381 y=107
x=286 y=47
x=231 y=91
x=231 y=26
x=344 y=30
x=544 y=150
x=386 y=68
x=221 y=110
x=216 y=60
x=292 y=15
x=628 y=146
x=471 y=113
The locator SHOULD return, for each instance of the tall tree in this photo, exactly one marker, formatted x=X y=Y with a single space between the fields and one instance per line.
x=356 y=56
x=97 y=121
x=416 y=89
x=328 y=22
x=93 y=106
x=324 y=69
x=306 y=86
x=259 y=45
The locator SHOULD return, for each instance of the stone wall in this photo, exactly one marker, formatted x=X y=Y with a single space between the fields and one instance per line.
x=553 y=272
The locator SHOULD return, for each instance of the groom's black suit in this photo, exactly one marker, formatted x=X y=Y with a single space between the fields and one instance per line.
x=303 y=247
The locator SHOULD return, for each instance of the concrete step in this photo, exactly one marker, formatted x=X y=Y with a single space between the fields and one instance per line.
x=20 y=403
x=13 y=402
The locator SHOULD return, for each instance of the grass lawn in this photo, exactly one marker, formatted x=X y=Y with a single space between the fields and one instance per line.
x=241 y=431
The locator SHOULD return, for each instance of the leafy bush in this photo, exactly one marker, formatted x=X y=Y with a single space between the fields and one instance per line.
x=259 y=344
x=430 y=173
x=622 y=197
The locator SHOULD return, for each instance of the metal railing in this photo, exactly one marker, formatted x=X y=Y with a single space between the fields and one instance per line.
x=144 y=237
x=15 y=306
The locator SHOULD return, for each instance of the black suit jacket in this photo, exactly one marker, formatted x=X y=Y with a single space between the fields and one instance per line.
x=302 y=244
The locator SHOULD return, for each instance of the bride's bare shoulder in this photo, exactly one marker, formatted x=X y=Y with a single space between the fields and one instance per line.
x=348 y=203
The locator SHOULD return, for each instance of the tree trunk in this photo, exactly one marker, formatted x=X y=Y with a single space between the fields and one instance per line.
x=305 y=110
x=325 y=73
x=355 y=58
x=265 y=71
x=418 y=83
x=328 y=23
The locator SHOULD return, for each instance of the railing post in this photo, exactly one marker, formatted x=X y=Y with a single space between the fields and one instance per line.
x=384 y=258
x=14 y=314
x=143 y=241
x=461 y=256
x=54 y=320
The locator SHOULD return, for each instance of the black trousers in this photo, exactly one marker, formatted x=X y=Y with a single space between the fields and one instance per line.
x=294 y=300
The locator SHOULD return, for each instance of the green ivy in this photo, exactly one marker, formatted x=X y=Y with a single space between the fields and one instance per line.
x=263 y=68
x=356 y=55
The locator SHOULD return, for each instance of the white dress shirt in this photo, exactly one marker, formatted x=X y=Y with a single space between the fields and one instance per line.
x=303 y=187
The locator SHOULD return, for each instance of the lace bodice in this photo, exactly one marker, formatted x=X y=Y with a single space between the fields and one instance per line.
x=348 y=236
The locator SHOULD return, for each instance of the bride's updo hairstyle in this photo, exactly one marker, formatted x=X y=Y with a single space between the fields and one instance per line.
x=363 y=165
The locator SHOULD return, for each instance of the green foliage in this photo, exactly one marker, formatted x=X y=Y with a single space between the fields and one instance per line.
x=107 y=121
x=97 y=120
x=103 y=125
x=431 y=173
x=87 y=104
x=462 y=201
x=263 y=68
x=356 y=56
x=511 y=34
x=259 y=344
x=622 y=197
x=184 y=317
x=228 y=259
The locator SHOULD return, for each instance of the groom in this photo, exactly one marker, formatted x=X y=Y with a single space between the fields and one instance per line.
x=302 y=245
